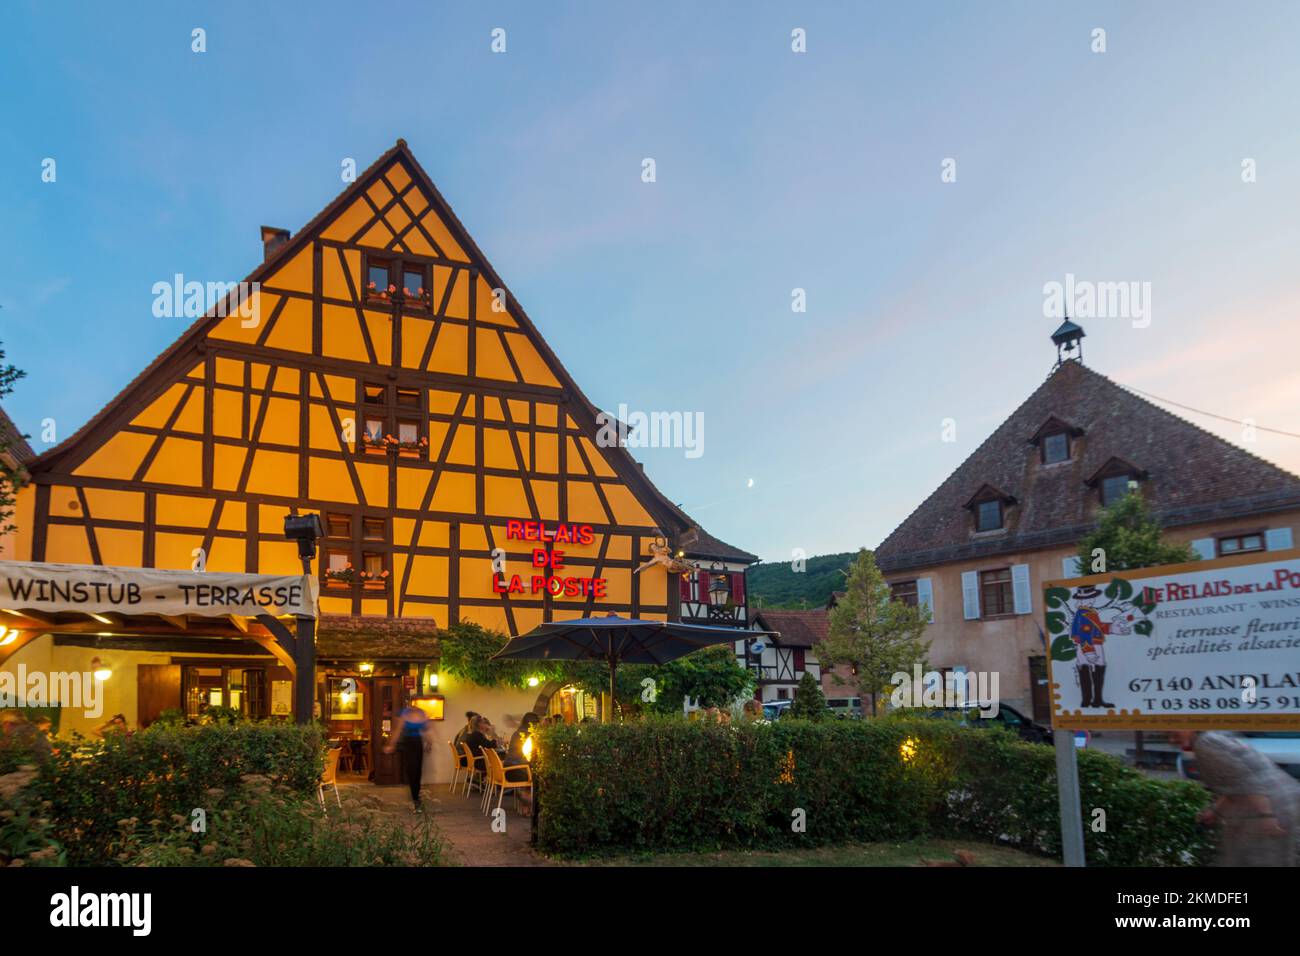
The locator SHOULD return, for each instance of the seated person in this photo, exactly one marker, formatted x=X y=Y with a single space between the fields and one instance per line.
x=470 y=717
x=516 y=748
x=477 y=739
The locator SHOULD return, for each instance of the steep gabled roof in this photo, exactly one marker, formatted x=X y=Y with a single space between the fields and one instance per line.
x=795 y=628
x=183 y=351
x=1191 y=475
x=706 y=545
x=18 y=449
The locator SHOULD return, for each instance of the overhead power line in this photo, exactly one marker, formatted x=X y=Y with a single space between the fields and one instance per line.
x=1222 y=418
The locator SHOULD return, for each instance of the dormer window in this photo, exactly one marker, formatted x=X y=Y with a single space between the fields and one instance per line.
x=1056 y=448
x=1054 y=439
x=988 y=507
x=1115 y=479
x=1114 y=488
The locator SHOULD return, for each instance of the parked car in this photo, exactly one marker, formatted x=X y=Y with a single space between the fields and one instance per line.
x=1002 y=716
x=773 y=709
x=845 y=706
x=1281 y=747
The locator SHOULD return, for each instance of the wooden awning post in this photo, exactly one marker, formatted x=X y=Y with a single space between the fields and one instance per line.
x=304 y=682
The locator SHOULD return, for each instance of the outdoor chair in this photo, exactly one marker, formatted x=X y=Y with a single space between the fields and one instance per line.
x=344 y=752
x=329 y=777
x=360 y=754
x=497 y=779
x=457 y=765
x=474 y=775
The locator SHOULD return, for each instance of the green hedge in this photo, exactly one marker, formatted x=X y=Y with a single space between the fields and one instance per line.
x=93 y=787
x=677 y=785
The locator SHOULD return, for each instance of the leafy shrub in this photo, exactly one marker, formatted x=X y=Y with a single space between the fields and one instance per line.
x=161 y=771
x=809 y=701
x=671 y=784
x=219 y=714
x=26 y=833
x=171 y=717
x=266 y=824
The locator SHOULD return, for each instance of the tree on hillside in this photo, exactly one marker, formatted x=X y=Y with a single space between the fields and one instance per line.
x=1128 y=536
x=809 y=701
x=876 y=636
x=11 y=477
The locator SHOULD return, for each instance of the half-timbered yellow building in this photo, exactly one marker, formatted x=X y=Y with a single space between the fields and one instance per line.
x=378 y=372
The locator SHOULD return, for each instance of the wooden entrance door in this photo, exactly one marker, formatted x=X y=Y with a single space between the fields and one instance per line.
x=386 y=696
x=158 y=688
x=1038 y=690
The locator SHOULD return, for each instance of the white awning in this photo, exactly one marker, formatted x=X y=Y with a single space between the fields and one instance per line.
x=90 y=588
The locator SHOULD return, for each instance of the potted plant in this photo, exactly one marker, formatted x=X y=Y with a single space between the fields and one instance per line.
x=378 y=294
x=419 y=299
x=374 y=582
x=337 y=576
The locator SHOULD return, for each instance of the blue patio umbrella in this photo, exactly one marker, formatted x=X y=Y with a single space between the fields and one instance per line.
x=618 y=640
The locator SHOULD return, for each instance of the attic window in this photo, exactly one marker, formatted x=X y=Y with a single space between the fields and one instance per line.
x=415 y=283
x=1056 y=448
x=1115 y=479
x=378 y=275
x=1115 y=487
x=988 y=515
x=1053 y=439
x=988 y=508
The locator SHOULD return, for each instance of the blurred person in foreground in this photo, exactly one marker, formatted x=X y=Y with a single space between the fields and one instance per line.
x=1257 y=805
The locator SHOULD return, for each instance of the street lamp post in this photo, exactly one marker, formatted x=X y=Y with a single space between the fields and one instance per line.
x=305 y=529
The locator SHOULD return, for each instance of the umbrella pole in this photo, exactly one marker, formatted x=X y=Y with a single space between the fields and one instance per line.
x=613 y=667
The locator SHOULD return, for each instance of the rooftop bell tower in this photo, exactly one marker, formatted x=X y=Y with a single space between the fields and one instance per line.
x=1068 y=339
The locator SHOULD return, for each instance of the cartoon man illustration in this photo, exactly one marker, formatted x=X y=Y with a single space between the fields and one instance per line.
x=1089 y=634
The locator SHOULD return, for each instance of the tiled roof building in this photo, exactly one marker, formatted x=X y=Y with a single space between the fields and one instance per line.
x=978 y=549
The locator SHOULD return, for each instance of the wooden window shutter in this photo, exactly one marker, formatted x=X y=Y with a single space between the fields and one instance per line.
x=685 y=586
x=702 y=588
x=970 y=595
x=1278 y=539
x=738 y=588
x=925 y=595
x=798 y=659
x=1205 y=548
x=1022 y=594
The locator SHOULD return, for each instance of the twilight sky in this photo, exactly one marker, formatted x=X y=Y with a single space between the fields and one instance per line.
x=775 y=171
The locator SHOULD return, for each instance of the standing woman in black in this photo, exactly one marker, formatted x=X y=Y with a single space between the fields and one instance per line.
x=408 y=738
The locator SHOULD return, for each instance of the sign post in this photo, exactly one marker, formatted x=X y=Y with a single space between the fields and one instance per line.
x=1067 y=782
x=1199 y=646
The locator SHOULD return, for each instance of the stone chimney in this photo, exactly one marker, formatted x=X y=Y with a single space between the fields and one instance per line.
x=272 y=239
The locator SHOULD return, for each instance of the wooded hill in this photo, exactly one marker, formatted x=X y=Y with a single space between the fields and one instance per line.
x=777 y=585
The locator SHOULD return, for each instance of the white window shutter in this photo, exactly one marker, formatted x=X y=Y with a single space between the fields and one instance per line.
x=1021 y=593
x=1278 y=539
x=1070 y=567
x=970 y=595
x=1205 y=548
x=925 y=595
